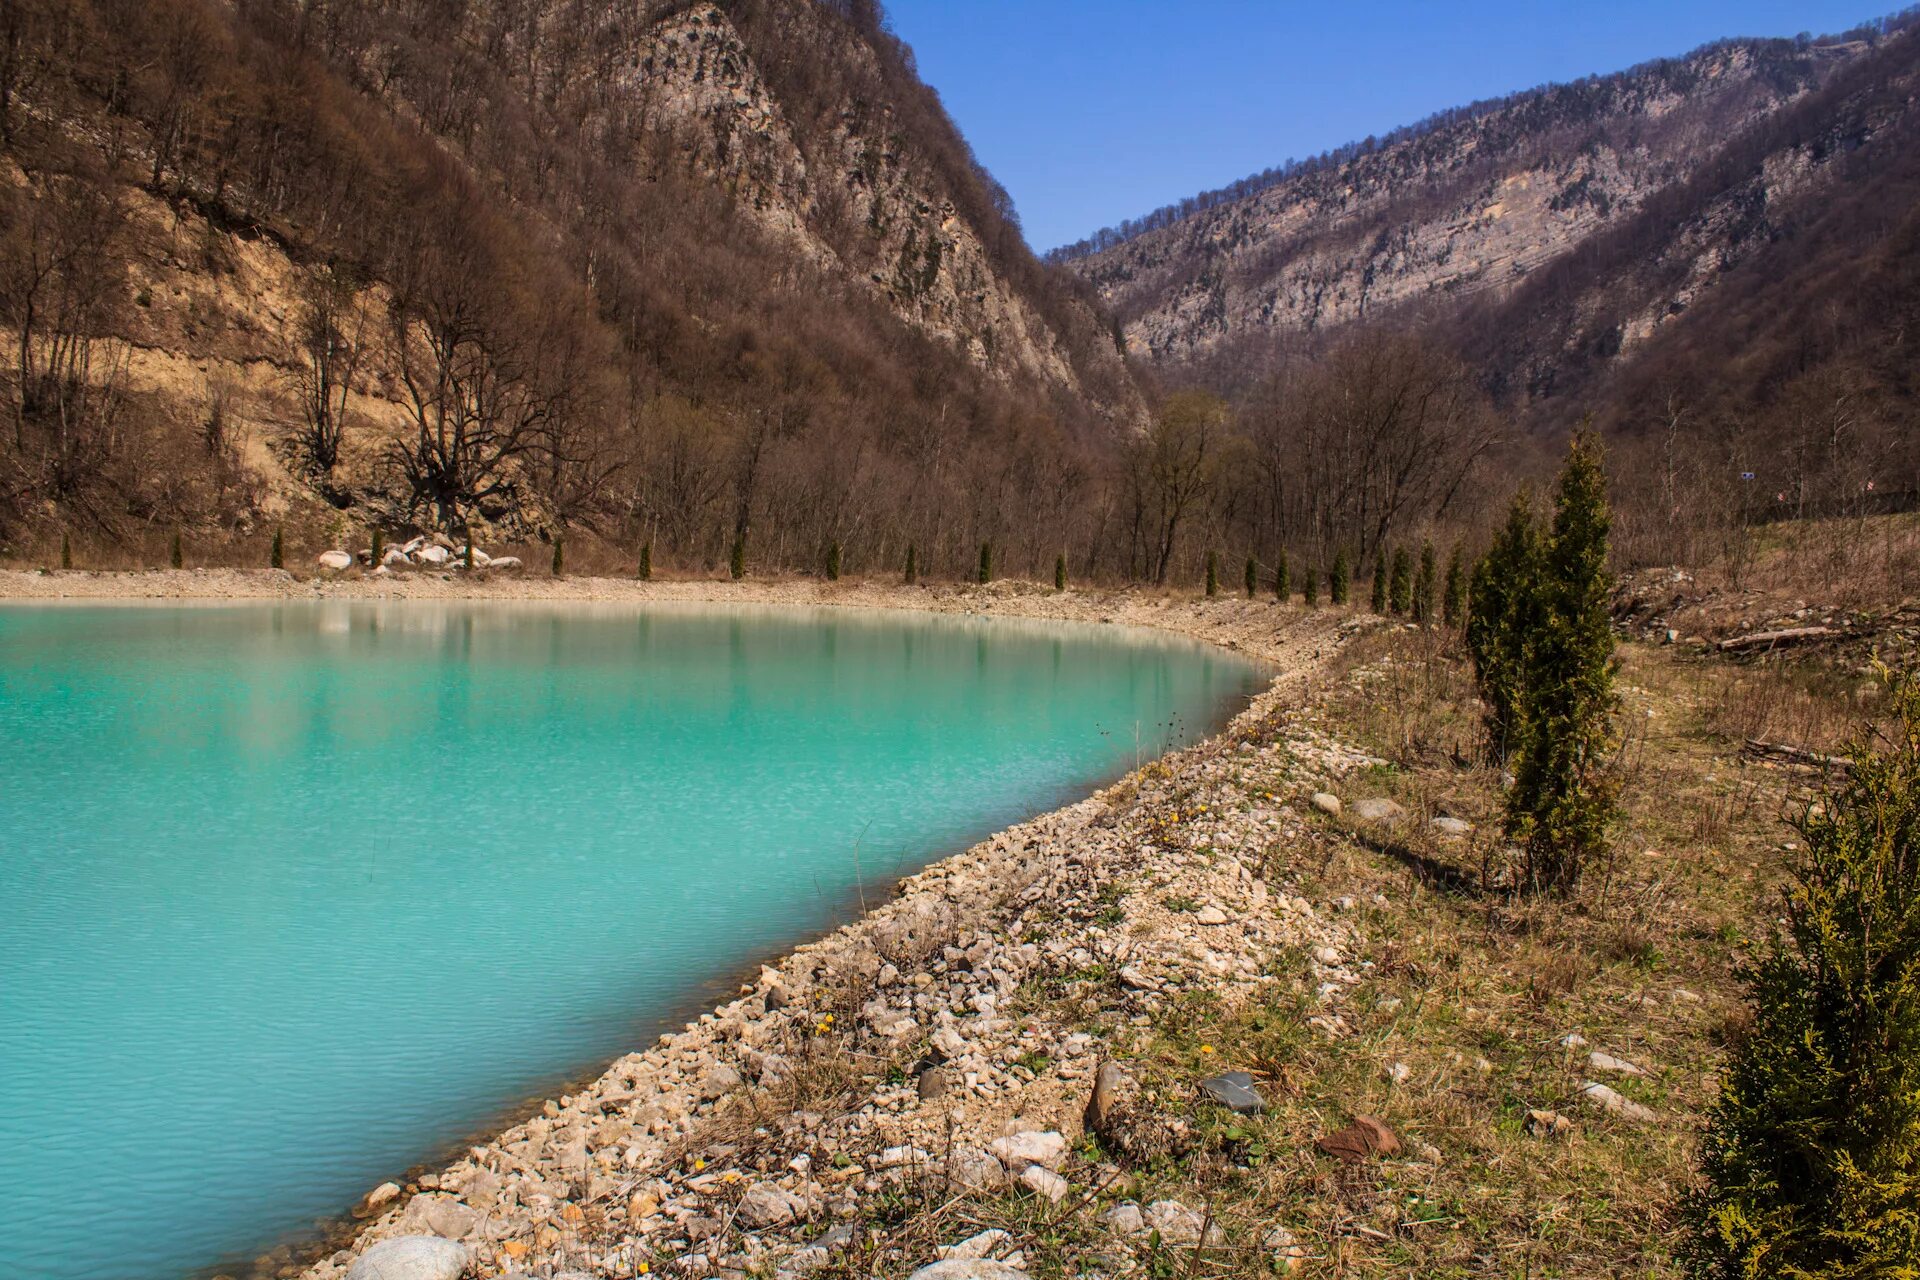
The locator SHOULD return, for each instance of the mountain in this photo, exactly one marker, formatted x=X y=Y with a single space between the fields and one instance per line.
x=675 y=270
x=1460 y=208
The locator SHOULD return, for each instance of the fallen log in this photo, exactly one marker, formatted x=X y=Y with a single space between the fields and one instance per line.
x=1796 y=755
x=1776 y=639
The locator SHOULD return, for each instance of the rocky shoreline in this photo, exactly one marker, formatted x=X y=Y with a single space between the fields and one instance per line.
x=873 y=1099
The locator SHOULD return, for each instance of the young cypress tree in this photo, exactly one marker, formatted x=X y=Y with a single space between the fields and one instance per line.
x=986 y=562
x=178 y=557
x=1060 y=572
x=378 y=551
x=277 y=558
x=467 y=555
x=1379 y=602
x=559 y=555
x=1453 y=601
x=1563 y=797
x=913 y=564
x=66 y=550
x=1281 y=586
x=1400 y=585
x=1337 y=581
x=1310 y=586
x=1253 y=577
x=833 y=562
x=737 y=558
x=1809 y=1149
x=645 y=571
x=1425 y=583
x=1213 y=574
x=1502 y=613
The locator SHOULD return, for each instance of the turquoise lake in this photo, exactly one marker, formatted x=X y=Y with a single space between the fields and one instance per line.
x=298 y=896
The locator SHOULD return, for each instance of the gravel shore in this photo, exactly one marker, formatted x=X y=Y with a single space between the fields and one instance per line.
x=941 y=1050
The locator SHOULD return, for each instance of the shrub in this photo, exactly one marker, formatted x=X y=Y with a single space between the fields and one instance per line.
x=1337 y=580
x=1809 y=1152
x=1060 y=572
x=178 y=557
x=913 y=564
x=66 y=550
x=1453 y=601
x=645 y=571
x=1310 y=586
x=559 y=555
x=737 y=558
x=1253 y=577
x=1400 y=584
x=986 y=562
x=1501 y=615
x=276 y=559
x=833 y=562
x=1562 y=800
x=1281 y=586
x=1213 y=573
x=1425 y=583
x=1379 y=602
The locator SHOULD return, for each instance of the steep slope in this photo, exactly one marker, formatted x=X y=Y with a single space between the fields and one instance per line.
x=1466 y=205
x=683 y=269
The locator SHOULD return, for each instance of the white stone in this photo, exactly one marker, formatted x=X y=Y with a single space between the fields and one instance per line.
x=334 y=561
x=1326 y=802
x=974 y=1246
x=509 y=563
x=1607 y=1100
x=1619 y=1066
x=1178 y=1224
x=431 y=554
x=766 y=1205
x=1043 y=1181
x=1021 y=1150
x=411 y=1258
x=1126 y=1218
x=1211 y=915
x=968 y=1269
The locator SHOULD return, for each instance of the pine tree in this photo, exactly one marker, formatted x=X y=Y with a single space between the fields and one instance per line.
x=1379 y=602
x=277 y=558
x=1253 y=577
x=1060 y=572
x=1213 y=574
x=1310 y=586
x=1453 y=602
x=1425 y=583
x=559 y=555
x=66 y=550
x=737 y=558
x=986 y=562
x=645 y=572
x=1809 y=1152
x=1281 y=586
x=178 y=558
x=1502 y=614
x=833 y=562
x=1562 y=800
x=913 y=564
x=1337 y=581
x=1400 y=585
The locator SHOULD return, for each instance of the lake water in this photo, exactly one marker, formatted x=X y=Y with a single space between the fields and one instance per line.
x=298 y=896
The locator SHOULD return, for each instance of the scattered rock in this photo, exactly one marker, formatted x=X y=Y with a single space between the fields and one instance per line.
x=1234 y=1089
x=1127 y=1124
x=974 y=1246
x=507 y=564
x=1178 y=1224
x=1043 y=1181
x=1607 y=1100
x=1211 y=915
x=1451 y=826
x=1021 y=1150
x=1126 y=1219
x=380 y=1195
x=1619 y=1066
x=412 y=1258
x=1379 y=809
x=1327 y=803
x=1287 y=1252
x=719 y=1082
x=972 y=1169
x=441 y=1215
x=1366 y=1136
x=334 y=561
x=968 y=1269
x=766 y=1205
x=1325 y=955
x=934 y=1082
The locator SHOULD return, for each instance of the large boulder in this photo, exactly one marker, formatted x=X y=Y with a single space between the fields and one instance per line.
x=506 y=564
x=412 y=1258
x=334 y=561
x=432 y=554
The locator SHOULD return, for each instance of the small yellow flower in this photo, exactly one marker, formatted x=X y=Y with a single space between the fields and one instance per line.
x=644 y=1269
x=698 y=1164
x=1206 y=1048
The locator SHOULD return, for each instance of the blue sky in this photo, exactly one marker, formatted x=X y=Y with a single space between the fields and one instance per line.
x=1091 y=111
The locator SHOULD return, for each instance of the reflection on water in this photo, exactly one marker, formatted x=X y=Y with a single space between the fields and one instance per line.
x=298 y=895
